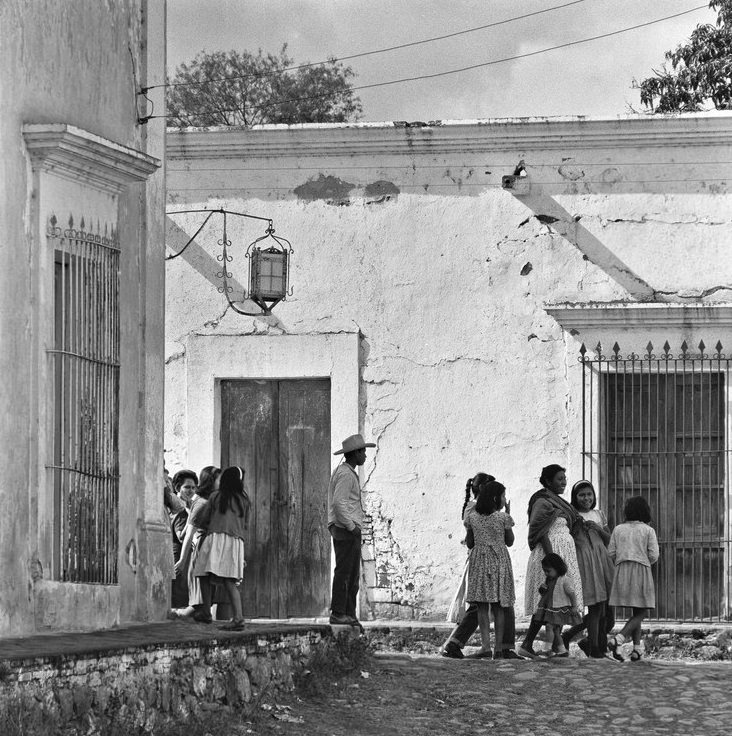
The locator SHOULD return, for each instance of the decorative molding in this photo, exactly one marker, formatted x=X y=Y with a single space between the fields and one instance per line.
x=596 y=315
x=449 y=137
x=82 y=156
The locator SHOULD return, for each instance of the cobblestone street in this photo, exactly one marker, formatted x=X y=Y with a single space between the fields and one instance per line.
x=415 y=695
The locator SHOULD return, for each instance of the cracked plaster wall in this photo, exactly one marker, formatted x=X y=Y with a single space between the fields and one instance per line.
x=462 y=368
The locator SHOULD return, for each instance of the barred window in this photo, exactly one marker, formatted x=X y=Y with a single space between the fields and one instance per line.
x=658 y=427
x=85 y=359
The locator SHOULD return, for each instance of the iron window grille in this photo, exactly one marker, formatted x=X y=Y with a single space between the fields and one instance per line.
x=658 y=426
x=85 y=368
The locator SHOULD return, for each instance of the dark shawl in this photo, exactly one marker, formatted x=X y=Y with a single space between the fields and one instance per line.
x=542 y=515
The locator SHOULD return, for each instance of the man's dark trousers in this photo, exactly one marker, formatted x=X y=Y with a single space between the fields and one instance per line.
x=469 y=623
x=346 y=576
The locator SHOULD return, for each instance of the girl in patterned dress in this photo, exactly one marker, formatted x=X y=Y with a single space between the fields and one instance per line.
x=490 y=578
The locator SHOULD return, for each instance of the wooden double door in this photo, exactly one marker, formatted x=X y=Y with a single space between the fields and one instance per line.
x=278 y=431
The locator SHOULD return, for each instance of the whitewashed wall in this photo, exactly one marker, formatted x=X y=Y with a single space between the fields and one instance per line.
x=404 y=235
x=71 y=144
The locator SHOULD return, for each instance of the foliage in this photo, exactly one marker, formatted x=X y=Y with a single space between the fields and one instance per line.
x=701 y=69
x=257 y=89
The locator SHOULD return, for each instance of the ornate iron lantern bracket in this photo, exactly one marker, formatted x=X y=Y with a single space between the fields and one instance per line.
x=269 y=261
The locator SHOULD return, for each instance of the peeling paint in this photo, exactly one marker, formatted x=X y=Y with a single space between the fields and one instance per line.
x=329 y=188
x=382 y=190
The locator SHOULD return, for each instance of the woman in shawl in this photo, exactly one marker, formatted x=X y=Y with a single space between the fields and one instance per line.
x=553 y=524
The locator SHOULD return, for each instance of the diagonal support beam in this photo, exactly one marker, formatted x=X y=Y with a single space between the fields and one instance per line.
x=596 y=251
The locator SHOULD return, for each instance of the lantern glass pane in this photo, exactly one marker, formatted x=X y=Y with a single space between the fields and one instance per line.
x=268 y=274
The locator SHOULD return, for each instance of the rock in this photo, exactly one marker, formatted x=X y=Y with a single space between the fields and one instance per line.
x=198 y=680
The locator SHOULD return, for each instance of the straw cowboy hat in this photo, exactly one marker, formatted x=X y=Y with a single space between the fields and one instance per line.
x=354 y=442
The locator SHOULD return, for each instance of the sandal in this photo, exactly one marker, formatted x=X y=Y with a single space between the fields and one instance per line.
x=234 y=625
x=635 y=655
x=613 y=644
x=526 y=652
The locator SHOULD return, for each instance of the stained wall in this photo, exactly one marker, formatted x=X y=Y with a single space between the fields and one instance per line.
x=405 y=236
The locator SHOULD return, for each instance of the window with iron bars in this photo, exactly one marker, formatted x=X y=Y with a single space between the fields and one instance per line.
x=658 y=426
x=85 y=361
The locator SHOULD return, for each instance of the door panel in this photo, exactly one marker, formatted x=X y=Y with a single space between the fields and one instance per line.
x=248 y=439
x=279 y=433
x=305 y=456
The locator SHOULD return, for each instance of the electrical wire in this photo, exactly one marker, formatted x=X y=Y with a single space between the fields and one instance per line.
x=370 y=53
x=472 y=66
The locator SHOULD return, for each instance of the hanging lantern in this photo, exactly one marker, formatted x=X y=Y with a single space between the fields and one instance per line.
x=269 y=260
x=268 y=270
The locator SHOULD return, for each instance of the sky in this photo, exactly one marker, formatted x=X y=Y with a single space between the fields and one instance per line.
x=594 y=79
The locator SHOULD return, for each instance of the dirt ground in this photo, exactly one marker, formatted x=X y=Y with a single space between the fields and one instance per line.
x=412 y=695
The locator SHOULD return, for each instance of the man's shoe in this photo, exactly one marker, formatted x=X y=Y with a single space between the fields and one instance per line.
x=452 y=650
x=340 y=619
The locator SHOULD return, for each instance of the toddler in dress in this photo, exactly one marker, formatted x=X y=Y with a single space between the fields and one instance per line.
x=558 y=603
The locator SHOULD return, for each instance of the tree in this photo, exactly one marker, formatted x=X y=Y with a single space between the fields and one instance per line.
x=701 y=69
x=235 y=88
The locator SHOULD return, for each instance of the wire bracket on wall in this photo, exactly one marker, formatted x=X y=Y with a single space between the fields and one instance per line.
x=268 y=270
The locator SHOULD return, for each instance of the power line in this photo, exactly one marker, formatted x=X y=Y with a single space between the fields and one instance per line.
x=472 y=66
x=368 y=53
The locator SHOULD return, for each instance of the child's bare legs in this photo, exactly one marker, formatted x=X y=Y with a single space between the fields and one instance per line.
x=499 y=623
x=557 y=643
x=633 y=626
x=234 y=599
x=484 y=624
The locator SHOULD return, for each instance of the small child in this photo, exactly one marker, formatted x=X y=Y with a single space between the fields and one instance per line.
x=490 y=578
x=634 y=548
x=220 y=557
x=558 y=603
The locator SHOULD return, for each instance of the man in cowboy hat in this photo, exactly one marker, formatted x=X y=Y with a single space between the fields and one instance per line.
x=345 y=519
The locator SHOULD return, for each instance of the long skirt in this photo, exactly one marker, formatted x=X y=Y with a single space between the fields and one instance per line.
x=563 y=545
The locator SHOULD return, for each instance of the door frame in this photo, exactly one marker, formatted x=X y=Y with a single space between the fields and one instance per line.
x=211 y=358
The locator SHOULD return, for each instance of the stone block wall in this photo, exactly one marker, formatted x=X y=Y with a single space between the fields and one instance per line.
x=144 y=685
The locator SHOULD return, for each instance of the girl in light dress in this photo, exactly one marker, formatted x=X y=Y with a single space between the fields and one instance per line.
x=490 y=578
x=220 y=555
x=596 y=571
x=634 y=548
x=557 y=604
